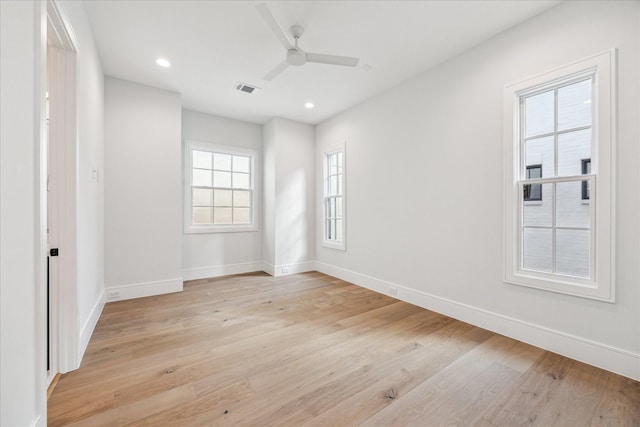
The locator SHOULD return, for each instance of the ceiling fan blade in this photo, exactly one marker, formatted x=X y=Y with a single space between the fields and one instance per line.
x=276 y=71
x=274 y=25
x=320 y=58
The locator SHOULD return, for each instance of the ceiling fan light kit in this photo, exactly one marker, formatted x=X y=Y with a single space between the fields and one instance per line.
x=295 y=55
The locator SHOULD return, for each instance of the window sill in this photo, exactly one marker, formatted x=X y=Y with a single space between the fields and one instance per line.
x=333 y=245
x=221 y=229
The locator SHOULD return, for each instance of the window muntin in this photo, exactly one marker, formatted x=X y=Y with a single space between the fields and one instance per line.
x=556 y=234
x=562 y=243
x=219 y=188
x=333 y=203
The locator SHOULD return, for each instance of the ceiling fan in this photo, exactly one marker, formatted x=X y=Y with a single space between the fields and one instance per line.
x=295 y=55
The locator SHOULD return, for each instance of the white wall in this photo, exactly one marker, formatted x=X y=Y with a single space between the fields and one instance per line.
x=216 y=254
x=425 y=188
x=289 y=196
x=19 y=305
x=143 y=190
x=269 y=193
x=90 y=188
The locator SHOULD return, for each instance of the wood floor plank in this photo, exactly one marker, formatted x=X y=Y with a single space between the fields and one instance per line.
x=576 y=399
x=310 y=349
x=537 y=388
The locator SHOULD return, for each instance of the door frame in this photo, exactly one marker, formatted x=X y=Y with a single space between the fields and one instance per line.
x=64 y=169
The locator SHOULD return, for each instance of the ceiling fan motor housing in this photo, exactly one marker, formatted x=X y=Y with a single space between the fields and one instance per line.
x=296 y=57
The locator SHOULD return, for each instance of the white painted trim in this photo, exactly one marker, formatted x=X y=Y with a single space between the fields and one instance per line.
x=39 y=422
x=40 y=214
x=144 y=289
x=90 y=325
x=332 y=244
x=270 y=269
x=65 y=170
x=604 y=356
x=222 y=270
x=254 y=155
x=603 y=68
x=287 y=269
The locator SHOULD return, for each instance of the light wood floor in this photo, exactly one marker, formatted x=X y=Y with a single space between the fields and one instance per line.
x=312 y=350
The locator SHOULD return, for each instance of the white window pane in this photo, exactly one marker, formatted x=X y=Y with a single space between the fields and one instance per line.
x=539 y=114
x=331 y=208
x=340 y=164
x=241 y=199
x=241 y=215
x=222 y=216
x=202 y=197
x=340 y=184
x=570 y=209
x=339 y=209
x=241 y=164
x=222 y=162
x=202 y=159
x=222 y=198
x=537 y=249
x=333 y=163
x=241 y=180
x=574 y=105
x=539 y=151
x=572 y=148
x=339 y=230
x=222 y=179
x=202 y=215
x=572 y=252
x=333 y=185
x=201 y=178
x=330 y=229
x=537 y=212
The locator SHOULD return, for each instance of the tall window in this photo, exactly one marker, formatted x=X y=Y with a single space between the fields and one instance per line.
x=334 y=227
x=560 y=122
x=219 y=188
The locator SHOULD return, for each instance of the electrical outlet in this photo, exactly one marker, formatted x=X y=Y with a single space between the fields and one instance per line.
x=113 y=294
x=393 y=291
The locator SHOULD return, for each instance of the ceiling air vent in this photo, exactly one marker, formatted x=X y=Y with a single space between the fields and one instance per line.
x=243 y=87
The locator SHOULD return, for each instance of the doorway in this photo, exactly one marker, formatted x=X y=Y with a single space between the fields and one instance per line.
x=60 y=169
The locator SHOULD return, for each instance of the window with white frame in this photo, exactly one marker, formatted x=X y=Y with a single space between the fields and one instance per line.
x=334 y=199
x=219 y=194
x=559 y=139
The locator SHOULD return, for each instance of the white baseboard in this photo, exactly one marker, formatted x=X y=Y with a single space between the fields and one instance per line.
x=146 y=289
x=607 y=357
x=286 y=269
x=221 y=270
x=89 y=326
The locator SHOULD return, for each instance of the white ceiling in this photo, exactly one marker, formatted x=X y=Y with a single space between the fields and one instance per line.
x=214 y=44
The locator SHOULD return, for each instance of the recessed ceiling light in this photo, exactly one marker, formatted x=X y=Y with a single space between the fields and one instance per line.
x=163 y=62
x=309 y=105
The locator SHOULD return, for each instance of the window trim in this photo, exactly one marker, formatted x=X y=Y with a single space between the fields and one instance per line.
x=189 y=227
x=602 y=178
x=333 y=244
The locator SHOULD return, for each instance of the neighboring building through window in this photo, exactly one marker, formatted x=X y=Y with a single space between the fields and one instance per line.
x=219 y=188
x=533 y=192
x=334 y=198
x=586 y=170
x=560 y=121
